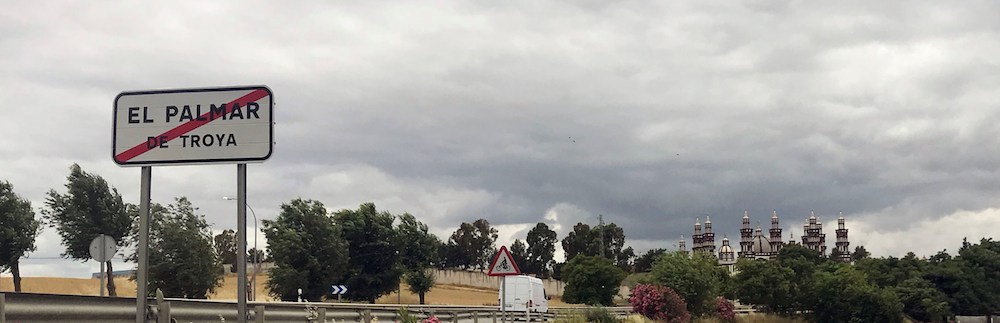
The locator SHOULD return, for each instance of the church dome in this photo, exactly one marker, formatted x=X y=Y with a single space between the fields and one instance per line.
x=760 y=244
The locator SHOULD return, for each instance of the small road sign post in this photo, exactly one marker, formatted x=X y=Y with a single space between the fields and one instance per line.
x=229 y=125
x=102 y=249
x=338 y=290
x=503 y=265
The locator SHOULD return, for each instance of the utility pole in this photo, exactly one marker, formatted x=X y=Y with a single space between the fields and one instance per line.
x=600 y=224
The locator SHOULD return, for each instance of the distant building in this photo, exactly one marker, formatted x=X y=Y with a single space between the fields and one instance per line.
x=703 y=242
x=727 y=257
x=681 y=246
x=128 y=273
x=754 y=244
x=843 y=253
x=813 y=236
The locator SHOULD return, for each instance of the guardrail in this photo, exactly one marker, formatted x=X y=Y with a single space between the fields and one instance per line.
x=26 y=307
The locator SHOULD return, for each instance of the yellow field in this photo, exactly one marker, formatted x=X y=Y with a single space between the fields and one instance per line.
x=441 y=294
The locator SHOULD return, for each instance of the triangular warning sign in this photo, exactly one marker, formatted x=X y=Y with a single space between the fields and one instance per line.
x=503 y=264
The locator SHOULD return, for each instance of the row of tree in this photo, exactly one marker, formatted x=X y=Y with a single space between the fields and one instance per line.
x=371 y=251
x=362 y=248
x=801 y=282
x=925 y=289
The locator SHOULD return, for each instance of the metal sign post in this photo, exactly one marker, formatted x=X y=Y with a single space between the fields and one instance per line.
x=503 y=265
x=241 y=244
x=102 y=249
x=143 y=248
x=503 y=298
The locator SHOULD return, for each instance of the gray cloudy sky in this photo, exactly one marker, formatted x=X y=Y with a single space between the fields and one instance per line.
x=650 y=113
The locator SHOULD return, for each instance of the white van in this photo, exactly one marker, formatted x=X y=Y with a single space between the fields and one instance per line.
x=524 y=293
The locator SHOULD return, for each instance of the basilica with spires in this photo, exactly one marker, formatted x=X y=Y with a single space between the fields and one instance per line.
x=756 y=244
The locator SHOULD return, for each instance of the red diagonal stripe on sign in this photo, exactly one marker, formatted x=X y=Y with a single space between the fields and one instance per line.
x=186 y=127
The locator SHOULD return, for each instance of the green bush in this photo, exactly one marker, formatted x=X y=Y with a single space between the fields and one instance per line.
x=405 y=316
x=591 y=280
x=659 y=303
x=600 y=315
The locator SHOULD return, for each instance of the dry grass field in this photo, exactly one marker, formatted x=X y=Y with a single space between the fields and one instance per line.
x=441 y=294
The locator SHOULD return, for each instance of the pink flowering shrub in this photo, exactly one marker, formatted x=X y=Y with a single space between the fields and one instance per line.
x=431 y=319
x=725 y=310
x=659 y=303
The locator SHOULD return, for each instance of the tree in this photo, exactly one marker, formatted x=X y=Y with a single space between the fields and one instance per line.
x=225 y=248
x=891 y=271
x=591 y=280
x=614 y=245
x=519 y=252
x=803 y=262
x=541 y=250
x=557 y=270
x=182 y=261
x=418 y=251
x=578 y=241
x=767 y=284
x=473 y=244
x=307 y=249
x=418 y=247
x=255 y=255
x=452 y=256
x=922 y=301
x=697 y=279
x=18 y=232
x=845 y=296
x=604 y=240
x=860 y=253
x=88 y=209
x=420 y=282
x=373 y=265
x=625 y=258
x=645 y=262
x=980 y=276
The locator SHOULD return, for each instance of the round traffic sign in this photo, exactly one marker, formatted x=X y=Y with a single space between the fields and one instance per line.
x=102 y=248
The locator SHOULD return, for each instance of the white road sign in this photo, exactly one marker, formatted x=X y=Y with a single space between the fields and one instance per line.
x=103 y=248
x=503 y=264
x=193 y=126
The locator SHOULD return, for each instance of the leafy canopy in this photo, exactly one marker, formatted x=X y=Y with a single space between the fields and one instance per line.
x=541 y=242
x=18 y=231
x=472 y=245
x=182 y=261
x=591 y=280
x=88 y=209
x=372 y=268
x=697 y=279
x=307 y=249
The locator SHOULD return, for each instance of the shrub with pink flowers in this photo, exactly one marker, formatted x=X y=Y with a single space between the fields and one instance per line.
x=725 y=310
x=659 y=303
x=431 y=319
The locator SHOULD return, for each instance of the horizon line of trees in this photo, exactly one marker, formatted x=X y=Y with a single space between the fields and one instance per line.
x=802 y=283
x=182 y=244
x=373 y=251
